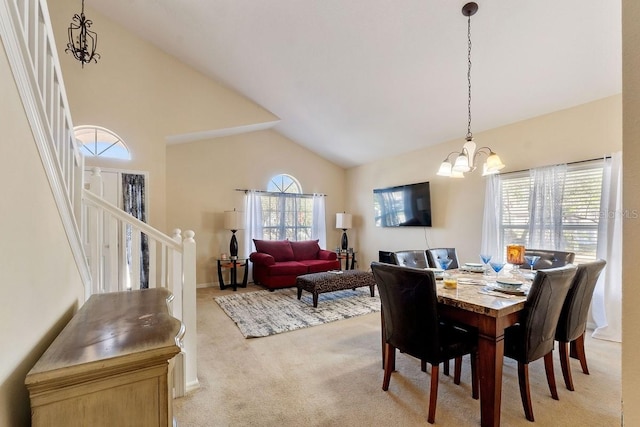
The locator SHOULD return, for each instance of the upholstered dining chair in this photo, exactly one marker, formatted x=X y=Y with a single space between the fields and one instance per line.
x=413 y=258
x=550 y=258
x=573 y=318
x=436 y=253
x=412 y=325
x=532 y=337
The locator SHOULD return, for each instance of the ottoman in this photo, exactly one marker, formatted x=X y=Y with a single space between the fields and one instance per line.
x=329 y=281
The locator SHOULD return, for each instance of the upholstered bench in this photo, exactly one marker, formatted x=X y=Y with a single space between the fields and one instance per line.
x=329 y=281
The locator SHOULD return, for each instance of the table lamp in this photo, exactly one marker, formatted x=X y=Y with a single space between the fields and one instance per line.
x=343 y=221
x=233 y=222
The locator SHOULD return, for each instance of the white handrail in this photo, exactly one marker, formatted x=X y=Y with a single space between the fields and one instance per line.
x=94 y=200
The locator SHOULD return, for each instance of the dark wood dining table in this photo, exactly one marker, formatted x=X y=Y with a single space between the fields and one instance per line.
x=491 y=313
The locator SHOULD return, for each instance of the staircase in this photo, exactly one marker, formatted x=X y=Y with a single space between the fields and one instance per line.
x=26 y=32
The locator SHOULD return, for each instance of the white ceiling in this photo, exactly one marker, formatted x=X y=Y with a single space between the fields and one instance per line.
x=357 y=80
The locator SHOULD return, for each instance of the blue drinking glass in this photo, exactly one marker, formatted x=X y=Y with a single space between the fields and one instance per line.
x=485 y=258
x=531 y=260
x=444 y=263
x=497 y=266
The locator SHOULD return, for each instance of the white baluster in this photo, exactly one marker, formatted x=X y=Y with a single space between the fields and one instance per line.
x=189 y=309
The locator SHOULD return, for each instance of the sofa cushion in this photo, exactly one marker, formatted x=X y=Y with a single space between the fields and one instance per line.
x=280 y=250
x=305 y=249
x=287 y=268
x=318 y=265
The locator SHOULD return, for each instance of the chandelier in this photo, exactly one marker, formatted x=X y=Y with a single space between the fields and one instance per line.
x=82 y=41
x=465 y=160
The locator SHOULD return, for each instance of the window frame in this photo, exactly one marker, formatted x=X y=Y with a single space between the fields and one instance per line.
x=579 y=195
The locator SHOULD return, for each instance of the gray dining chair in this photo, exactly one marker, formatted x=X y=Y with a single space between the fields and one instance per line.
x=532 y=337
x=550 y=258
x=412 y=325
x=573 y=319
x=410 y=258
x=436 y=253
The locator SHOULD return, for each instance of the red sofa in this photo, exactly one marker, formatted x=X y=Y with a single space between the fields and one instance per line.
x=277 y=263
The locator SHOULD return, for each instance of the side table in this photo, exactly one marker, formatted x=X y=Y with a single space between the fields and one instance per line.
x=349 y=259
x=232 y=265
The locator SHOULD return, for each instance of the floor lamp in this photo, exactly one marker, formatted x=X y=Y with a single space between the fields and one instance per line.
x=233 y=222
x=343 y=221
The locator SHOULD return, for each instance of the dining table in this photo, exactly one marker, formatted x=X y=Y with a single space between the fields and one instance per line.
x=476 y=302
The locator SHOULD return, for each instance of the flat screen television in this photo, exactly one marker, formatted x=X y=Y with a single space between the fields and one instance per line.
x=403 y=205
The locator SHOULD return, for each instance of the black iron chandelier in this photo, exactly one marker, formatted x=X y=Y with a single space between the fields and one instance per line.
x=82 y=41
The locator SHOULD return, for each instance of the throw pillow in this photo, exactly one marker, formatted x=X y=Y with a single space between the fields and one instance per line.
x=280 y=250
x=306 y=249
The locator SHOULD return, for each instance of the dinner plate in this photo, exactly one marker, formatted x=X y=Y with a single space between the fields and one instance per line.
x=509 y=283
x=472 y=269
x=473 y=264
x=511 y=290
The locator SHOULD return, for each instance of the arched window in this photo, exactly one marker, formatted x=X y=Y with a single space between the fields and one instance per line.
x=95 y=141
x=284 y=183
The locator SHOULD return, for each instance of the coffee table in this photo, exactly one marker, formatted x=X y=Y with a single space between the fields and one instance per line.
x=337 y=280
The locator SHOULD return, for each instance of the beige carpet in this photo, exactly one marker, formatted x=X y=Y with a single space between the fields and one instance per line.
x=331 y=375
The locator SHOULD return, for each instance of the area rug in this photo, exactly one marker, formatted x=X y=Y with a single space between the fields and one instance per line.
x=264 y=313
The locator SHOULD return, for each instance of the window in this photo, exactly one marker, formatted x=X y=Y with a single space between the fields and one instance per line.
x=286 y=212
x=95 y=141
x=577 y=201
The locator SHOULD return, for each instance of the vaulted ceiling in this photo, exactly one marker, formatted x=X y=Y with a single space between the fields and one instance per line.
x=357 y=80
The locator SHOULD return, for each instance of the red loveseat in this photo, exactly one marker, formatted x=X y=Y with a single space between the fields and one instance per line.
x=277 y=263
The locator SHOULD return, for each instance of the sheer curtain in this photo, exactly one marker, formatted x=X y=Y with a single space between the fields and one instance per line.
x=133 y=203
x=319 y=224
x=492 y=216
x=252 y=221
x=606 y=307
x=289 y=206
x=545 y=204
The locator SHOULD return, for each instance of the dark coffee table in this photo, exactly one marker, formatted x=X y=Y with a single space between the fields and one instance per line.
x=329 y=281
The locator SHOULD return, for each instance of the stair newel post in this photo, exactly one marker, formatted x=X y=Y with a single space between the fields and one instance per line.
x=189 y=308
x=174 y=282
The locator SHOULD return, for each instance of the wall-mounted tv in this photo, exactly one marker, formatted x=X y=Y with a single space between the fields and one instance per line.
x=403 y=205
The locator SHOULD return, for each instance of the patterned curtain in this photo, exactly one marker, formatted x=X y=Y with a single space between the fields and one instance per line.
x=133 y=203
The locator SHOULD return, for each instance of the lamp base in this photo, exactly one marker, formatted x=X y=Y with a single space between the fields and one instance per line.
x=345 y=241
x=233 y=245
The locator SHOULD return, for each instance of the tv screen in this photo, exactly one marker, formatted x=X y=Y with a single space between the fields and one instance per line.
x=403 y=206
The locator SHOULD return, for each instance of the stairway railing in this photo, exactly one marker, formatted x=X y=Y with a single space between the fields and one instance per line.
x=111 y=235
x=27 y=36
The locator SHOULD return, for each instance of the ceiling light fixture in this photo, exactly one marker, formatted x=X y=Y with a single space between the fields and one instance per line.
x=82 y=41
x=465 y=160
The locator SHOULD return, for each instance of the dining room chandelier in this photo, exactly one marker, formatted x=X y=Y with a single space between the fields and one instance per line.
x=82 y=41
x=465 y=160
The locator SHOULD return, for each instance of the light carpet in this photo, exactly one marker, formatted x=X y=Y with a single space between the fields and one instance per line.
x=264 y=313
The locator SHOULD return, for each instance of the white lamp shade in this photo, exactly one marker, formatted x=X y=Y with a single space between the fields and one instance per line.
x=343 y=221
x=233 y=220
x=494 y=164
x=461 y=164
x=445 y=169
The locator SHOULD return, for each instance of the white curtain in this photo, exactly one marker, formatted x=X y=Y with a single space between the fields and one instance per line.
x=491 y=218
x=319 y=226
x=545 y=207
x=252 y=221
x=606 y=306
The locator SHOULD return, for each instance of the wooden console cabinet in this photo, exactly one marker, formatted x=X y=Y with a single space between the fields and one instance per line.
x=111 y=365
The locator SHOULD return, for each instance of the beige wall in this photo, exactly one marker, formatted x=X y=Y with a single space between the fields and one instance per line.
x=40 y=283
x=143 y=95
x=584 y=132
x=202 y=178
x=631 y=202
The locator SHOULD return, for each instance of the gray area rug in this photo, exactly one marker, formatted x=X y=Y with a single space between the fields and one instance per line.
x=264 y=313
